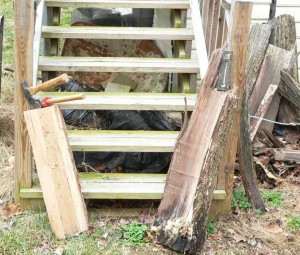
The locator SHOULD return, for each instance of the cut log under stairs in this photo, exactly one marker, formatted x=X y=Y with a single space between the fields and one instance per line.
x=119 y=186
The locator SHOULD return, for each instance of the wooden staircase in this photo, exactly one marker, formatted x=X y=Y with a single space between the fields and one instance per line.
x=121 y=186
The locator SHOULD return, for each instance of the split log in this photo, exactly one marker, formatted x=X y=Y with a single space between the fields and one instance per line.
x=258 y=43
x=289 y=88
x=183 y=212
x=247 y=169
x=275 y=59
x=57 y=171
x=264 y=106
x=284 y=36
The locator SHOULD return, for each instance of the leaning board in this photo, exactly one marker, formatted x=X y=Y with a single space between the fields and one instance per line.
x=57 y=172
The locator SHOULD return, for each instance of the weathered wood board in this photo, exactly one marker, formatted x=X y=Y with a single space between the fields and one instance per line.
x=57 y=172
x=258 y=43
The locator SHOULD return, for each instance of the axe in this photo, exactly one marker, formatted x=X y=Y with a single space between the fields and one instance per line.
x=28 y=92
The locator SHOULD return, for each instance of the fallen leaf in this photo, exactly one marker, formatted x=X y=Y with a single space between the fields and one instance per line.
x=102 y=243
x=274 y=228
x=91 y=229
x=236 y=237
x=59 y=251
x=10 y=211
x=263 y=251
x=239 y=238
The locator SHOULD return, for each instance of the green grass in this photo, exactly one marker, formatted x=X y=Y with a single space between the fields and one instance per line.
x=31 y=233
x=239 y=200
x=211 y=228
x=294 y=223
x=273 y=198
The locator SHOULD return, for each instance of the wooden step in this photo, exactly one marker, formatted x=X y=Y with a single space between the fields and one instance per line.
x=152 y=4
x=127 y=101
x=109 y=64
x=122 y=141
x=131 y=33
x=117 y=186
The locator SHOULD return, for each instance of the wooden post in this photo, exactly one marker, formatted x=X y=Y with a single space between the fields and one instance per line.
x=239 y=43
x=272 y=9
x=24 y=30
x=1 y=46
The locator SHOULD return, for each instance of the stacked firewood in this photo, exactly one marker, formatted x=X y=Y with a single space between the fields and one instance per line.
x=274 y=99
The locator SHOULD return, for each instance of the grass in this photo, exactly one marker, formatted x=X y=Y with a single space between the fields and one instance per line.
x=273 y=198
x=31 y=234
x=211 y=228
x=294 y=223
x=239 y=200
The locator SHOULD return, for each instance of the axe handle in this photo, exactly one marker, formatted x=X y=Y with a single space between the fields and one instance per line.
x=52 y=101
x=64 y=78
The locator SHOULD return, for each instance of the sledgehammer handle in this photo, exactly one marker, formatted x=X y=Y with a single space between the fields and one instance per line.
x=64 y=78
x=52 y=101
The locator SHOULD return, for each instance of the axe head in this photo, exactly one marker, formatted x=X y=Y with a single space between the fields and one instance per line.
x=33 y=103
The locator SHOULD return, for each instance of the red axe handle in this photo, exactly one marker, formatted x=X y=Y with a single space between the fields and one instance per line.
x=48 y=101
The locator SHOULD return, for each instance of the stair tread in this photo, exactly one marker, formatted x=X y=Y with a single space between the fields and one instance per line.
x=118 y=64
x=126 y=101
x=138 y=33
x=168 y=4
x=117 y=186
x=122 y=141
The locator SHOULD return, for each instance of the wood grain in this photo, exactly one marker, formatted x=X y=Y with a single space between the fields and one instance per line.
x=57 y=172
x=152 y=4
x=24 y=27
x=109 y=64
x=132 y=33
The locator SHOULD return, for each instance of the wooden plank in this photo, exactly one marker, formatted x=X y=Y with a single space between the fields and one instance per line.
x=258 y=43
x=287 y=155
x=275 y=59
x=215 y=26
x=1 y=47
x=24 y=27
x=126 y=141
x=57 y=172
x=118 y=186
x=109 y=64
x=202 y=54
x=152 y=4
x=134 y=33
x=126 y=101
x=37 y=40
x=262 y=109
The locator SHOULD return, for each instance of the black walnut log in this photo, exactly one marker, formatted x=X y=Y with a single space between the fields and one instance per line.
x=191 y=180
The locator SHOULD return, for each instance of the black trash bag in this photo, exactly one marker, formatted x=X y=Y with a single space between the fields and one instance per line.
x=143 y=162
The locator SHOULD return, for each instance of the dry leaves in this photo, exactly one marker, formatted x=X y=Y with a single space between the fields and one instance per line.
x=237 y=237
x=274 y=228
x=10 y=210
